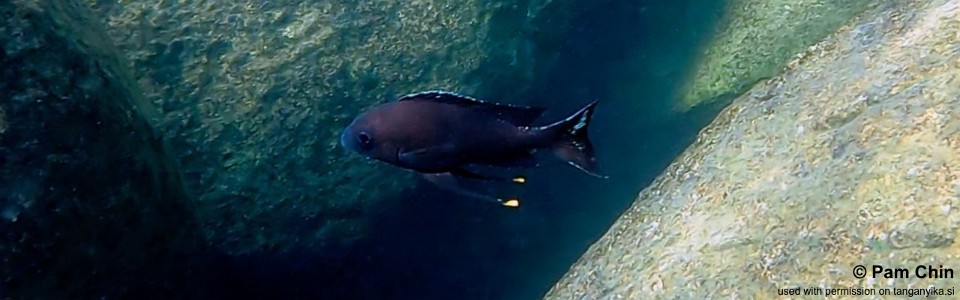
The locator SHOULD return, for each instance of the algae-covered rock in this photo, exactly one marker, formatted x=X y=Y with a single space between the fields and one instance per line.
x=755 y=40
x=254 y=93
x=850 y=157
x=90 y=204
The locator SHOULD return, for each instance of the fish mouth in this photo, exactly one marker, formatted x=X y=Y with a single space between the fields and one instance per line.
x=345 y=140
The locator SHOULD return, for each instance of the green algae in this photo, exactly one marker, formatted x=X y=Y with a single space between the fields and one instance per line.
x=756 y=39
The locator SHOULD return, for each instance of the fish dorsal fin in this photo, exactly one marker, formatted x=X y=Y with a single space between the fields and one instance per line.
x=515 y=114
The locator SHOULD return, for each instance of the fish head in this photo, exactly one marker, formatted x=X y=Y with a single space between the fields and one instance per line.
x=374 y=134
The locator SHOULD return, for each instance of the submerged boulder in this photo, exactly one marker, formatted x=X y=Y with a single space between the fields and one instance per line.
x=254 y=94
x=91 y=205
x=850 y=157
x=756 y=38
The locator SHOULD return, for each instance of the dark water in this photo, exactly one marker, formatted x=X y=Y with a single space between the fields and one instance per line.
x=425 y=243
x=429 y=244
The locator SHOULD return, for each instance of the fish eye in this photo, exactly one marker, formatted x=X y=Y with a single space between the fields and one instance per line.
x=366 y=142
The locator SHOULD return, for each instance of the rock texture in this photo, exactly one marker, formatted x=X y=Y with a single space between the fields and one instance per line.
x=852 y=156
x=755 y=40
x=91 y=205
x=253 y=95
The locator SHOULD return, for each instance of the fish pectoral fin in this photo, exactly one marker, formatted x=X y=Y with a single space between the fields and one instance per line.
x=415 y=152
x=423 y=155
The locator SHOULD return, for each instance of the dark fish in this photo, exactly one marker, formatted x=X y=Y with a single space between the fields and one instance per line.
x=445 y=136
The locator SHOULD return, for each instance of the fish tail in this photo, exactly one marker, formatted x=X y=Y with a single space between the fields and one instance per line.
x=571 y=143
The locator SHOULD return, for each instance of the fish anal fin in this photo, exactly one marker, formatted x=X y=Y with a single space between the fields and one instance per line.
x=524 y=159
x=514 y=114
x=462 y=172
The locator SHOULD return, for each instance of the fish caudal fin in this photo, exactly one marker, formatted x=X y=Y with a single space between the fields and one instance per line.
x=571 y=142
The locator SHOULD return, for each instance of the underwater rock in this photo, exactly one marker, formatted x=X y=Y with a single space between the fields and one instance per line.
x=91 y=206
x=850 y=157
x=254 y=94
x=756 y=38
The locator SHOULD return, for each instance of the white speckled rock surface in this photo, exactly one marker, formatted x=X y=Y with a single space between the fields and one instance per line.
x=849 y=157
x=756 y=38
